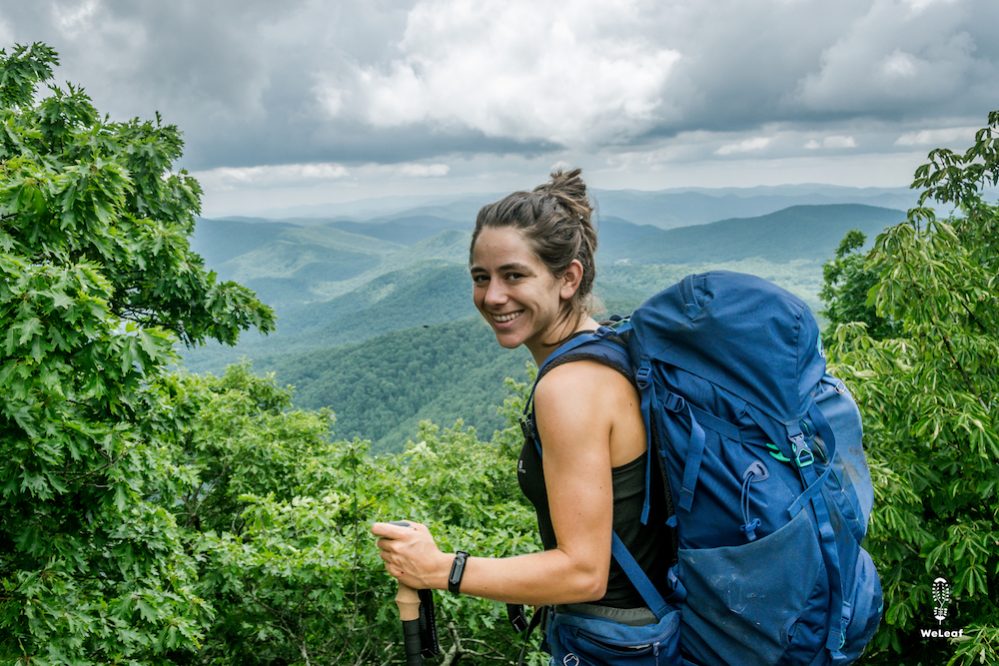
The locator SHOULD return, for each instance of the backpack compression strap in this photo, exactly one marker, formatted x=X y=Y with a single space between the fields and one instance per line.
x=813 y=483
x=650 y=595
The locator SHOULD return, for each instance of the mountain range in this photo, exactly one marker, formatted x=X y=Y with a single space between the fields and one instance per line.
x=375 y=317
x=676 y=207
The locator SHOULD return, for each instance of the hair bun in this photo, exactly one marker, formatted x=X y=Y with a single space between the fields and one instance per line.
x=570 y=190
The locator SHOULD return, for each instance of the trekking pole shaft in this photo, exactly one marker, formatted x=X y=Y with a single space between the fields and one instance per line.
x=408 y=602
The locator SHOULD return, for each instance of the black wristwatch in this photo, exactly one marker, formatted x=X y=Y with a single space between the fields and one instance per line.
x=457 y=571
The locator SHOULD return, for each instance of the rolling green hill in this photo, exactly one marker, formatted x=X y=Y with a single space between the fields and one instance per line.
x=406 y=230
x=422 y=294
x=800 y=232
x=381 y=388
x=287 y=264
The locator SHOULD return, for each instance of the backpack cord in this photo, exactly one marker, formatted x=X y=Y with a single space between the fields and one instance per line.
x=538 y=618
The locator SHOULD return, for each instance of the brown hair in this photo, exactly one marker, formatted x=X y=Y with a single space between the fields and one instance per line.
x=555 y=218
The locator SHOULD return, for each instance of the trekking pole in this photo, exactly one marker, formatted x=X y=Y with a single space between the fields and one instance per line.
x=419 y=625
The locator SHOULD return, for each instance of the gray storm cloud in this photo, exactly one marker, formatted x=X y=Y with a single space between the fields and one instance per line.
x=257 y=83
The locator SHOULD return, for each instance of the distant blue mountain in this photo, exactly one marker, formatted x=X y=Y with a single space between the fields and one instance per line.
x=375 y=316
x=667 y=208
x=799 y=232
x=680 y=208
x=407 y=229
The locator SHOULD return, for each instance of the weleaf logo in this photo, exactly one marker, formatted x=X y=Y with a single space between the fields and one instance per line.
x=941 y=609
x=941 y=599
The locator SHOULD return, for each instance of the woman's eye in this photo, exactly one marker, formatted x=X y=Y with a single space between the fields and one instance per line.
x=479 y=279
x=514 y=276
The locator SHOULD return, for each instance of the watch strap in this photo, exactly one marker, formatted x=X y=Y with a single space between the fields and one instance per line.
x=457 y=571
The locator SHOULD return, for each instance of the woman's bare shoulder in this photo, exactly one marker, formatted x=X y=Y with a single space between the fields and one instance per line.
x=582 y=383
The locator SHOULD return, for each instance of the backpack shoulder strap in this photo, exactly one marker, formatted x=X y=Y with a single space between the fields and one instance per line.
x=591 y=345
x=602 y=345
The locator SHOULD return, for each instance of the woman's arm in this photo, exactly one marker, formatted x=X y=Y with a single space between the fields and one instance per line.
x=576 y=406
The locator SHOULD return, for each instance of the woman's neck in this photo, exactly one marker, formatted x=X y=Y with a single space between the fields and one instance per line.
x=544 y=349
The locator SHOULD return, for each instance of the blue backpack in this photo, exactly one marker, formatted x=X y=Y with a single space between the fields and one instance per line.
x=761 y=450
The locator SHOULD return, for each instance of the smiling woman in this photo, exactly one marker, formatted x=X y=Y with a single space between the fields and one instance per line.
x=545 y=239
x=532 y=268
x=514 y=291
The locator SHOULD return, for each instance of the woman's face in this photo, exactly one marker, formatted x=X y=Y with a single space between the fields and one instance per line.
x=514 y=291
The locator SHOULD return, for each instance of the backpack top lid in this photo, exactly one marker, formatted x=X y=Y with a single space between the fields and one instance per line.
x=738 y=331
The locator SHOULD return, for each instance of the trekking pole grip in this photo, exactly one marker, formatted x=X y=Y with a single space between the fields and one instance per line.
x=408 y=601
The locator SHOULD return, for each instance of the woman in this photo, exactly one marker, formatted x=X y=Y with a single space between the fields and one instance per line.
x=532 y=268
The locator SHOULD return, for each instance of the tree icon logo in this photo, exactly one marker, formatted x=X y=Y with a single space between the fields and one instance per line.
x=941 y=599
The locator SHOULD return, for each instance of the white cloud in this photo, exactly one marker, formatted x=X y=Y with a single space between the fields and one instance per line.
x=751 y=145
x=320 y=174
x=900 y=65
x=937 y=137
x=71 y=20
x=272 y=175
x=405 y=95
x=526 y=71
x=832 y=142
x=918 y=6
x=6 y=34
x=424 y=170
x=330 y=95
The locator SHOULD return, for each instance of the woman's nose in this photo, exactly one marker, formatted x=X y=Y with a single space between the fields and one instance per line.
x=495 y=293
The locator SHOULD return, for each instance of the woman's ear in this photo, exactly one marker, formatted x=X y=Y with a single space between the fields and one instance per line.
x=571 y=278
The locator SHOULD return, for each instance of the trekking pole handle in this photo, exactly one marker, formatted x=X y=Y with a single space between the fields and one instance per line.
x=408 y=601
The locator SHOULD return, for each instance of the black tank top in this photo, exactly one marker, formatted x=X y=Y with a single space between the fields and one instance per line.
x=650 y=544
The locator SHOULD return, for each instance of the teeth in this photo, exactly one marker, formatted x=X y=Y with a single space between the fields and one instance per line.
x=502 y=319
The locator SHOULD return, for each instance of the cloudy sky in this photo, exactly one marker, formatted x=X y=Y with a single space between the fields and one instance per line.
x=309 y=101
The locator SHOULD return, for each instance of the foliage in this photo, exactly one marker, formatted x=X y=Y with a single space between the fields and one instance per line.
x=96 y=284
x=929 y=392
x=279 y=522
x=149 y=516
x=846 y=285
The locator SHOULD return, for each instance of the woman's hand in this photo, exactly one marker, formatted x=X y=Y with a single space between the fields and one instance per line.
x=411 y=555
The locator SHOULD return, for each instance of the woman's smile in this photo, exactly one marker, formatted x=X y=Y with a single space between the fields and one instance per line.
x=506 y=318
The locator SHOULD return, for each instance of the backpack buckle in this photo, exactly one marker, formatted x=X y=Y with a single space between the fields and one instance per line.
x=526 y=427
x=674 y=403
x=775 y=453
x=803 y=456
x=643 y=375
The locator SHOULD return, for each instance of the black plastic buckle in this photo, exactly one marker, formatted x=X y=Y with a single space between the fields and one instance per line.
x=515 y=613
x=527 y=428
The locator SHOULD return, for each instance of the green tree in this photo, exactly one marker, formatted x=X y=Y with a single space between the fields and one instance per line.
x=279 y=514
x=846 y=286
x=97 y=283
x=929 y=393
